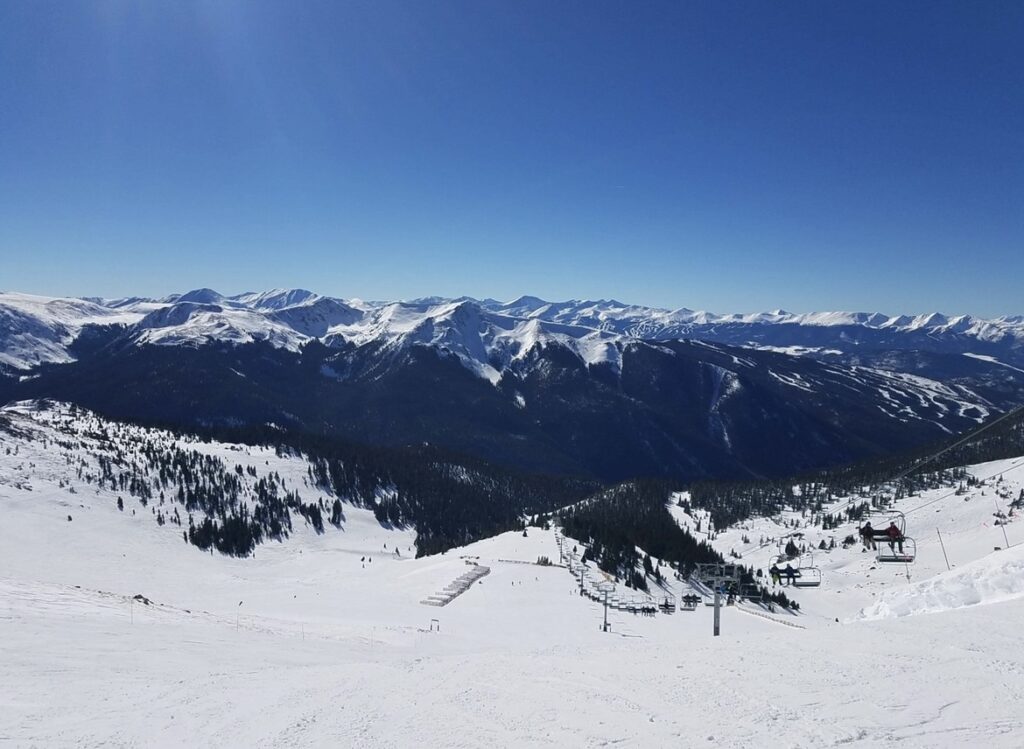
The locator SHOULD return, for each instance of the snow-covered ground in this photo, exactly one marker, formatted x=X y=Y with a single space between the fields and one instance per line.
x=309 y=644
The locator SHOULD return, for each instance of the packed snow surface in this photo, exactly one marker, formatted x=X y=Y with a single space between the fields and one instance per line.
x=323 y=640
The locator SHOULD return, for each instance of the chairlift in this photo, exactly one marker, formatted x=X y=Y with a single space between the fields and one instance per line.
x=903 y=551
x=752 y=592
x=805 y=574
x=890 y=551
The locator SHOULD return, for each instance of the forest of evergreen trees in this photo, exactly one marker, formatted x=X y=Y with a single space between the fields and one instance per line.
x=451 y=500
x=616 y=521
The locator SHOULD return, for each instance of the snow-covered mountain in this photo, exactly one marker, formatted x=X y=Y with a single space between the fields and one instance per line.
x=648 y=322
x=36 y=329
x=601 y=389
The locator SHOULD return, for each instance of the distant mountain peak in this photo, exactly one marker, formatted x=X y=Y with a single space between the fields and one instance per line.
x=201 y=296
x=276 y=299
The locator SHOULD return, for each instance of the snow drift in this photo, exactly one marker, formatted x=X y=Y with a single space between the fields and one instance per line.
x=995 y=578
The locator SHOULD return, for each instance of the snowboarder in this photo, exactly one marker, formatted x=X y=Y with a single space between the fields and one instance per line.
x=775 y=574
x=895 y=537
x=867 y=535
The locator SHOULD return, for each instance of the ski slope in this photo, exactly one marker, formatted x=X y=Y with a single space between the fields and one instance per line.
x=310 y=644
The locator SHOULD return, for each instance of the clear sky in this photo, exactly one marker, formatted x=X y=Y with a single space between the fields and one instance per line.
x=715 y=155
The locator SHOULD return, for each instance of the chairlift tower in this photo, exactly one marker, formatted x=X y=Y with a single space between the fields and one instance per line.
x=717 y=575
x=606 y=588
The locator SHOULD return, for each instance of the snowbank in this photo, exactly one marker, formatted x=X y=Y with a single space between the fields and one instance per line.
x=994 y=578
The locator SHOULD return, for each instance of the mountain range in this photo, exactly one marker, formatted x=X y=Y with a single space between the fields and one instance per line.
x=599 y=389
x=35 y=329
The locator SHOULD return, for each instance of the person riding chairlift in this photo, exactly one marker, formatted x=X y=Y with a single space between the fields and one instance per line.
x=867 y=536
x=790 y=573
x=895 y=537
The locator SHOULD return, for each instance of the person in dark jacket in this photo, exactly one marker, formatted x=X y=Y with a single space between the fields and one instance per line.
x=790 y=574
x=867 y=536
x=775 y=574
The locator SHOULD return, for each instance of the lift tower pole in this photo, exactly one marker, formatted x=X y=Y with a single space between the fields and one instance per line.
x=716 y=575
x=605 y=587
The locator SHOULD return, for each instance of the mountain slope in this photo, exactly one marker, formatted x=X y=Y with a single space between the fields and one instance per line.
x=684 y=409
x=233 y=496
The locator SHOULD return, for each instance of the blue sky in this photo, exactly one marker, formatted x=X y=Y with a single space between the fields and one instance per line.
x=716 y=155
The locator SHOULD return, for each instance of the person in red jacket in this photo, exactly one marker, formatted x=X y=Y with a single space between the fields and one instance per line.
x=895 y=536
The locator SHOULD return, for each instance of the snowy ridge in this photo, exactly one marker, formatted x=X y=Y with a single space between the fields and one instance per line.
x=39 y=329
x=192 y=323
x=36 y=329
x=651 y=322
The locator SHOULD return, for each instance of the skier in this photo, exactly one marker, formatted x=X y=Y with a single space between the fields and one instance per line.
x=775 y=574
x=867 y=535
x=895 y=537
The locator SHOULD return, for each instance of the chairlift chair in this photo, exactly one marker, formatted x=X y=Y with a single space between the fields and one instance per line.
x=689 y=602
x=807 y=574
x=807 y=577
x=888 y=551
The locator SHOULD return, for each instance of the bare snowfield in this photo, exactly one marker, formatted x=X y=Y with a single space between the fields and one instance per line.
x=309 y=644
